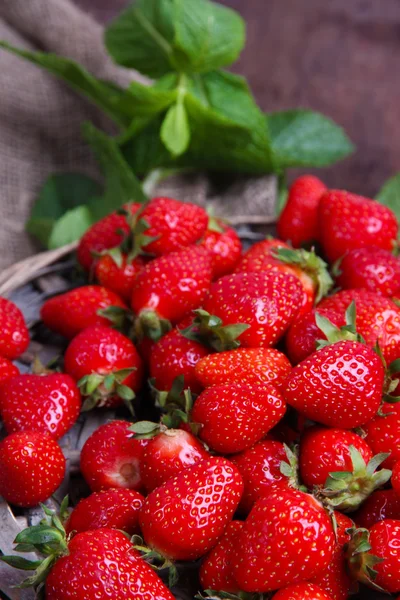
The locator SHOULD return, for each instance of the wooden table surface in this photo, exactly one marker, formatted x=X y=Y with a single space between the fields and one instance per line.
x=341 y=58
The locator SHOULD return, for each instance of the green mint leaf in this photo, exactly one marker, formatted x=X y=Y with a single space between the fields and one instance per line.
x=175 y=130
x=71 y=226
x=208 y=34
x=109 y=97
x=303 y=138
x=150 y=100
x=141 y=37
x=389 y=195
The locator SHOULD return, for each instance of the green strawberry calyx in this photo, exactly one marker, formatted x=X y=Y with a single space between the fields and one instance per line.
x=149 y=324
x=347 y=490
x=335 y=334
x=156 y=560
x=361 y=563
x=210 y=331
x=290 y=468
x=98 y=389
x=120 y=318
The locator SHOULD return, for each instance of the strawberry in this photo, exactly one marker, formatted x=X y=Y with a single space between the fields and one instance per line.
x=117 y=272
x=167 y=454
x=184 y=518
x=349 y=221
x=302 y=591
x=243 y=365
x=113 y=508
x=301 y=338
x=111 y=458
x=106 y=233
x=48 y=403
x=7 y=369
x=32 y=467
x=370 y=268
x=382 y=504
x=267 y=302
x=340 y=385
x=287 y=538
x=383 y=433
x=106 y=366
x=334 y=579
x=233 y=417
x=215 y=571
x=260 y=468
x=225 y=246
x=309 y=269
x=14 y=338
x=396 y=478
x=170 y=287
x=374 y=558
x=71 y=312
x=298 y=221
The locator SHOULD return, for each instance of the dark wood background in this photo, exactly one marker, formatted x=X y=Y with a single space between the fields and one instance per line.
x=340 y=57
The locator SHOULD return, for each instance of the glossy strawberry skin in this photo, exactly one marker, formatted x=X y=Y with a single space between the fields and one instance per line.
x=396 y=478
x=383 y=433
x=370 y=268
x=7 y=369
x=287 y=538
x=298 y=222
x=111 y=458
x=267 y=302
x=173 y=285
x=167 y=455
x=174 y=519
x=104 y=351
x=32 y=466
x=349 y=221
x=14 y=332
x=70 y=313
x=324 y=451
x=382 y=504
x=260 y=468
x=301 y=338
x=225 y=247
x=102 y=564
x=118 y=279
x=113 y=509
x=384 y=539
x=233 y=417
x=215 y=571
x=175 y=224
x=339 y=386
x=302 y=591
x=243 y=365
x=49 y=403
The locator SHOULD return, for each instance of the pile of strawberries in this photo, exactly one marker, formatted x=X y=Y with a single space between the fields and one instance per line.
x=268 y=443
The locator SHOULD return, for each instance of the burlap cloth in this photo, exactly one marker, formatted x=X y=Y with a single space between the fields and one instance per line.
x=40 y=121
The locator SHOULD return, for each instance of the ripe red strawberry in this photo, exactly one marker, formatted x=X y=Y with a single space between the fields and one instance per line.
x=106 y=366
x=106 y=233
x=173 y=224
x=298 y=222
x=374 y=556
x=383 y=433
x=334 y=579
x=302 y=591
x=170 y=287
x=71 y=312
x=14 y=338
x=32 y=467
x=349 y=221
x=174 y=355
x=111 y=458
x=184 y=518
x=233 y=417
x=267 y=302
x=48 y=403
x=340 y=385
x=287 y=538
x=243 y=365
x=167 y=454
x=225 y=246
x=7 y=369
x=118 y=273
x=396 y=478
x=370 y=268
x=113 y=508
x=382 y=504
x=260 y=468
x=215 y=571
x=302 y=335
